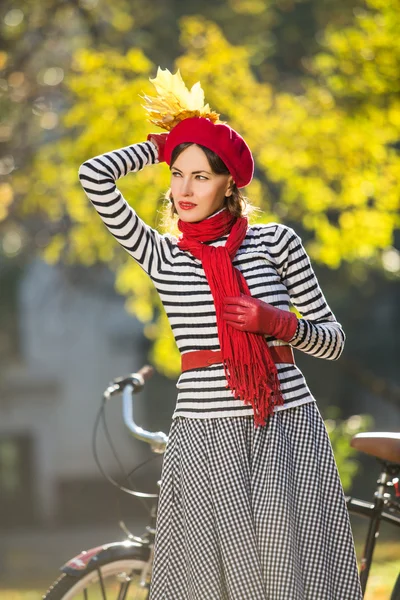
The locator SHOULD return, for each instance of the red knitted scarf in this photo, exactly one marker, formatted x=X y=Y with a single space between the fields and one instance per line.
x=249 y=368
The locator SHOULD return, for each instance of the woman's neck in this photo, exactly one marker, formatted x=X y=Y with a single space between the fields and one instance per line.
x=215 y=213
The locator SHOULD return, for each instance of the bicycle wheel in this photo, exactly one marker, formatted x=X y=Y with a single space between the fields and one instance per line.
x=116 y=580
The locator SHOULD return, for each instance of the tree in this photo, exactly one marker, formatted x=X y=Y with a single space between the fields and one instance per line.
x=324 y=152
x=329 y=149
x=38 y=41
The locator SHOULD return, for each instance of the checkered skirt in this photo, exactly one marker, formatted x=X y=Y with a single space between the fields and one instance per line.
x=253 y=513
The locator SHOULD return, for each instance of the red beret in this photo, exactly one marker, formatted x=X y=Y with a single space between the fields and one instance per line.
x=218 y=137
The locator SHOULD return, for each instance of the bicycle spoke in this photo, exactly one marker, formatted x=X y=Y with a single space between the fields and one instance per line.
x=124 y=590
x=123 y=587
x=101 y=582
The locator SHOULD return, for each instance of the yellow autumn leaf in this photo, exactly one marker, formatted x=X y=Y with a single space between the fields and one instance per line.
x=175 y=102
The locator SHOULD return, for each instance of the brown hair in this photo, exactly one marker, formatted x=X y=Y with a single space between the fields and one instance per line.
x=237 y=204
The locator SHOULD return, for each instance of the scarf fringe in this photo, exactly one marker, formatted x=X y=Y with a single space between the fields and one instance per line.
x=252 y=375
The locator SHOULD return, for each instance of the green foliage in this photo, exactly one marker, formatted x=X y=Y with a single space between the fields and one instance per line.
x=340 y=433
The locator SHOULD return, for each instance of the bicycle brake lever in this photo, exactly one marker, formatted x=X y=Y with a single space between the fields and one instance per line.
x=136 y=380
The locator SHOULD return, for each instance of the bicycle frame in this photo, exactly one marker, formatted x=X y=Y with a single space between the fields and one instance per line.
x=375 y=512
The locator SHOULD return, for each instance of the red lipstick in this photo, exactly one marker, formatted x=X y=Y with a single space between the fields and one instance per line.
x=186 y=205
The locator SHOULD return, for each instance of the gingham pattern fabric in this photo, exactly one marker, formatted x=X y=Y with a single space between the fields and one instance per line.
x=253 y=513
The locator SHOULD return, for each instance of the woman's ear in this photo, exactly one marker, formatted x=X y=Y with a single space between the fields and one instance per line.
x=229 y=189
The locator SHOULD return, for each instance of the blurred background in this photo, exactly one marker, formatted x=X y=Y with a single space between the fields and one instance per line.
x=314 y=87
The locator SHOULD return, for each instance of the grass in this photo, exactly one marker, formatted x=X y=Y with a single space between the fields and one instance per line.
x=381 y=580
x=384 y=571
x=15 y=594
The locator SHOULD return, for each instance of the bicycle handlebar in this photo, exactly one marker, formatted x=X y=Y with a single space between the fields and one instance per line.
x=136 y=380
x=128 y=386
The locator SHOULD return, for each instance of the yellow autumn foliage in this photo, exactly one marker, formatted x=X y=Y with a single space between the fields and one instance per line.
x=324 y=154
x=6 y=198
x=174 y=102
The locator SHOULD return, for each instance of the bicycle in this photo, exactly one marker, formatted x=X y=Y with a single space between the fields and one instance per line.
x=122 y=567
x=385 y=507
x=116 y=567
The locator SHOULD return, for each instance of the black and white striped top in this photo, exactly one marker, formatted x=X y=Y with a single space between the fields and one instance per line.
x=272 y=259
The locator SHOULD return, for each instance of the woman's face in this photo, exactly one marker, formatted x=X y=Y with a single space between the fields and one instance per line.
x=196 y=190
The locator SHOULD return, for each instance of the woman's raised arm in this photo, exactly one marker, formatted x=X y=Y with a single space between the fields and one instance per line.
x=98 y=176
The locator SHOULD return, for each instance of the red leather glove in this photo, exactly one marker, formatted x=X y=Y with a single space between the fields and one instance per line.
x=158 y=140
x=246 y=313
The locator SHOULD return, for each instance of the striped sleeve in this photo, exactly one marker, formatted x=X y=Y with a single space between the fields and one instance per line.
x=318 y=333
x=98 y=176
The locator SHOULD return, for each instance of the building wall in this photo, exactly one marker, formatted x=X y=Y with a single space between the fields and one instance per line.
x=75 y=337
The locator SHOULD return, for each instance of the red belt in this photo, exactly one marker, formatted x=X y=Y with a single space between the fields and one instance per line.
x=204 y=358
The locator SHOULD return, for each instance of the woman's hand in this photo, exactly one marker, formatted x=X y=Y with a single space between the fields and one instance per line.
x=246 y=313
x=158 y=140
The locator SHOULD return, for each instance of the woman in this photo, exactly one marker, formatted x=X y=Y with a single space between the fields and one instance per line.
x=251 y=506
